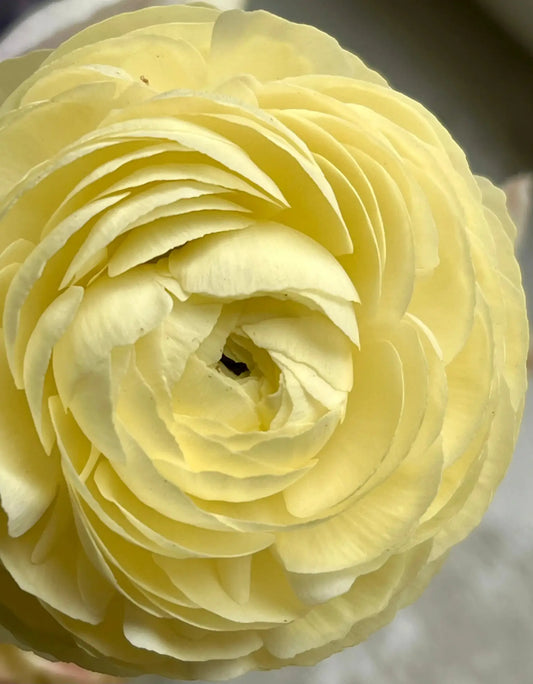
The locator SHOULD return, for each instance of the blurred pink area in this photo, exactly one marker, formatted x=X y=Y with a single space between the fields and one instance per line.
x=22 y=667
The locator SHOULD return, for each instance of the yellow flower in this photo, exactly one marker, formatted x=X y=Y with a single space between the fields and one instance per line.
x=263 y=346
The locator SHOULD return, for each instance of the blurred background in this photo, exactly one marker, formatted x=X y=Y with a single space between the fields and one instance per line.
x=471 y=63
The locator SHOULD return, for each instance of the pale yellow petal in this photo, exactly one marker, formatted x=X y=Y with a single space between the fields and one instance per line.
x=14 y=71
x=119 y=25
x=28 y=477
x=50 y=327
x=273 y=248
x=270 y=48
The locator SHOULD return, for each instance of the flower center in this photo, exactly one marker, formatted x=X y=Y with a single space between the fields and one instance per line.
x=235 y=367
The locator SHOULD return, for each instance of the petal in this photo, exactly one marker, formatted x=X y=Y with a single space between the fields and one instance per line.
x=50 y=327
x=367 y=531
x=270 y=47
x=54 y=580
x=122 y=24
x=28 y=477
x=14 y=71
x=284 y=259
x=361 y=442
x=335 y=619
x=163 y=636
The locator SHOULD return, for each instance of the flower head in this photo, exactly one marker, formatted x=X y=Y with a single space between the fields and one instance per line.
x=263 y=345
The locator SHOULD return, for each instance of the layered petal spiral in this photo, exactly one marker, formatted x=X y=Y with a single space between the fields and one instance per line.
x=262 y=351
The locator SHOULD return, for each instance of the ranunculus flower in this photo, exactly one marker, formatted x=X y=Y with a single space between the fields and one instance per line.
x=263 y=346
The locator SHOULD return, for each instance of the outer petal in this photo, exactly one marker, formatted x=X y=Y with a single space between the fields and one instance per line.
x=28 y=478
x=272 y=48
x=14 y=71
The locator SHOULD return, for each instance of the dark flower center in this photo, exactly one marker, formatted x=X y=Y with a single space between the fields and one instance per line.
x=236 y=367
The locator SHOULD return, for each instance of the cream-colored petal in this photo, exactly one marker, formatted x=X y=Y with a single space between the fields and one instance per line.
x=361 y=442
x=18 y=329
x=14 y=71
x=270 y=48
x=448 y=287
x=159 y=62
x=65 y=119
x=158 y=237
x=271 y=599
x=50 y=327
x=127 y=211
x=283 y=259
x=55 y=579
x=321 y=587
x=28 y=477
x=470 y=378
x=493 y=467
x=154 y=172
x=279 y=153
x=334 y=619
x=310 y=340
x=121 y=24
x=192 y=137
x=114 y=312
x=163 y=637
x=372 y=525
x=170 y=537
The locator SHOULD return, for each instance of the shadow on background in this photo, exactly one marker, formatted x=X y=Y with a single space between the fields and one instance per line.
x=449 y=55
